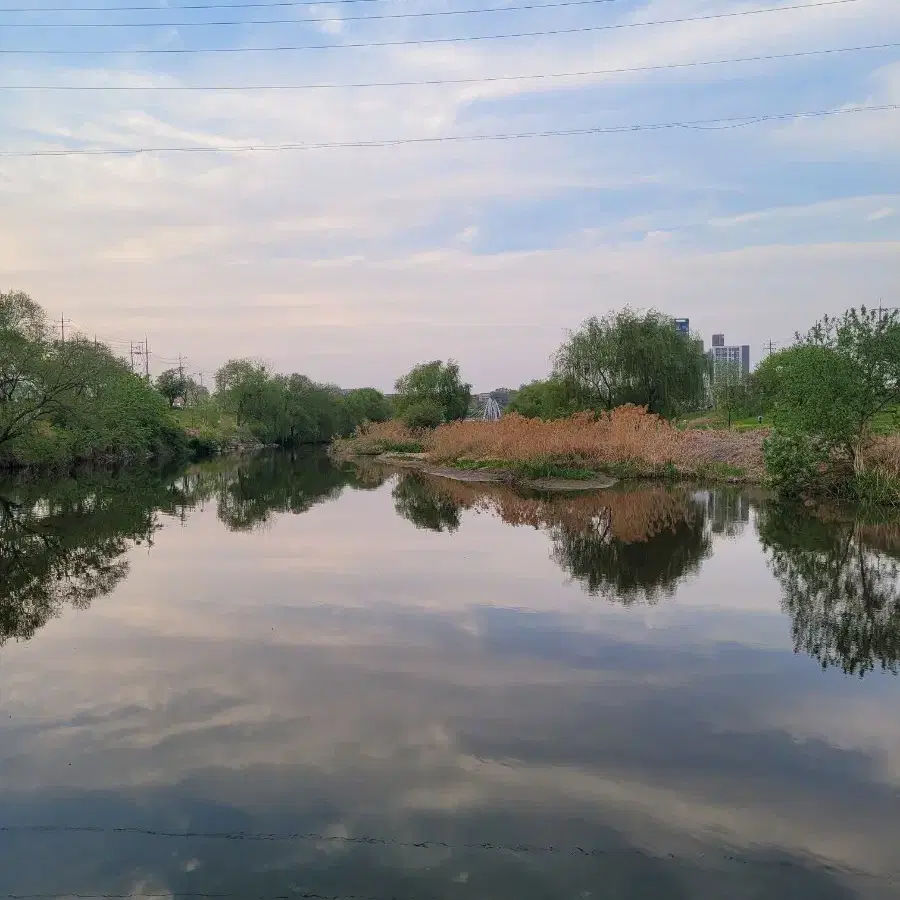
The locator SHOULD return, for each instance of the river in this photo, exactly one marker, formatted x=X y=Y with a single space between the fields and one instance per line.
x=281 y=678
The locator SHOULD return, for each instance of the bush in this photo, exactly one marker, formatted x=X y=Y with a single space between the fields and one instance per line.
x=794 y=463
x=423 y=414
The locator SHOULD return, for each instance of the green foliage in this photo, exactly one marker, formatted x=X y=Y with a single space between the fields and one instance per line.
x=836 y=380
x=422 y=414
x=366 y=405
x=794 y=462
x=438 y=383
x=64 y=402
x=548 y=399
x=289 y=410
x=627 y=357
x=173 y=385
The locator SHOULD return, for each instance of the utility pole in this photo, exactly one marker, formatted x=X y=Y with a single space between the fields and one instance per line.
x=146 y=358
x=62 y=328
x=770 y=347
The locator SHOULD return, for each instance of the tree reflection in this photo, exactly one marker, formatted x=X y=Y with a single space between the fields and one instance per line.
x=638 y=570
x=62 y=544
x=839 y=582
x=416 y=499
x=249 y=494
x=630 y=546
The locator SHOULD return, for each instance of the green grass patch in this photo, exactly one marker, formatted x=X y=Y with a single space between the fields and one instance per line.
x=530 y=468
x=719 y=471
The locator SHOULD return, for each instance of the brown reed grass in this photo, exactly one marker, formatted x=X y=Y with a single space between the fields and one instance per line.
x=628 y=434
x=883 y=455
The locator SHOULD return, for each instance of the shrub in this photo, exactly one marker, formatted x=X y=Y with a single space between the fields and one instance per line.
x=794 y=463
x=423 y=414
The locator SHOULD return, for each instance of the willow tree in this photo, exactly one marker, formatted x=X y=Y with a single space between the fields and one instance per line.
x=633 y=357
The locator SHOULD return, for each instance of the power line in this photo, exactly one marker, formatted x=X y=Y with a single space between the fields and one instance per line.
x=109 y=9
x=295 y=21
x=720 y=124
x=422 y=41
x=446 y=81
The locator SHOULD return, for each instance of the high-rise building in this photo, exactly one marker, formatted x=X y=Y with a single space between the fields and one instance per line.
x=720 y=355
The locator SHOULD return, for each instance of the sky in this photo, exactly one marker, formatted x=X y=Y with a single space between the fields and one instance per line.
x=351 y=264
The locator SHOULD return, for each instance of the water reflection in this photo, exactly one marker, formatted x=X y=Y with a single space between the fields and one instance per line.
x=628 y=546
x=300 y=697
x=839 y=582
x=248 y=495
x=65 y=544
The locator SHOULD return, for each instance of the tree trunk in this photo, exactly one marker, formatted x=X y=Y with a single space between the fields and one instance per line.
x=859 y=461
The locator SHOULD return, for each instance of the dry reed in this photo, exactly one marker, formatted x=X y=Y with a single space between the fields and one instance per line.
x=883 y=455
x=627 y=435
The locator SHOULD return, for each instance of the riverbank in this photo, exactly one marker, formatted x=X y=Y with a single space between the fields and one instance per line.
x=583 y=449
x=183 y=436
x=509 y=475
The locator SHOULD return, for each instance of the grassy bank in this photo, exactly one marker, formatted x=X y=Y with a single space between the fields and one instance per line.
x=627 y=443
x=208 y=430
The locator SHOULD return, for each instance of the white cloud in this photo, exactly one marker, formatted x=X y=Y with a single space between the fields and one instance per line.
x=357 y=236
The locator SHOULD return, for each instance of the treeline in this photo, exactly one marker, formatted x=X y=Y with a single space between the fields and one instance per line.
x=831 y=400
x=292 y=409
x=68 y=402
x=63 y=402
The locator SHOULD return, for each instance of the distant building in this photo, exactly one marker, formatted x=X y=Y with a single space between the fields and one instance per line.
x=720 y=355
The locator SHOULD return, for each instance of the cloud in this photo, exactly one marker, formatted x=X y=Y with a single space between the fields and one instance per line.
x=357 y=237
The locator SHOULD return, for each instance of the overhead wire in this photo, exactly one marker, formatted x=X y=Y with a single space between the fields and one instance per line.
x=717 y=124
x=157 y=8
x=817 y=4
x=450 y=81
x=406 y=15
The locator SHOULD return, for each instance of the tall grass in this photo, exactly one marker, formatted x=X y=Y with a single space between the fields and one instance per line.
x=627 y=438
x=382 y=437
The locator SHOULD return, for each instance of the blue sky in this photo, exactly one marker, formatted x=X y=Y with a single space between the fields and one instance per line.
x=353 y=264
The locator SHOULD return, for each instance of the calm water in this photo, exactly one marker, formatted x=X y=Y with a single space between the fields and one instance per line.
x=284 y=679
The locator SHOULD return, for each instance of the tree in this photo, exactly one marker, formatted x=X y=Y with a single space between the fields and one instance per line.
x=833 y=382
x=629 y=357
x=365 y=405
x=173 y=385
x=548 y=399
x=729 y=388
x=439 y=383
x=424 y=414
